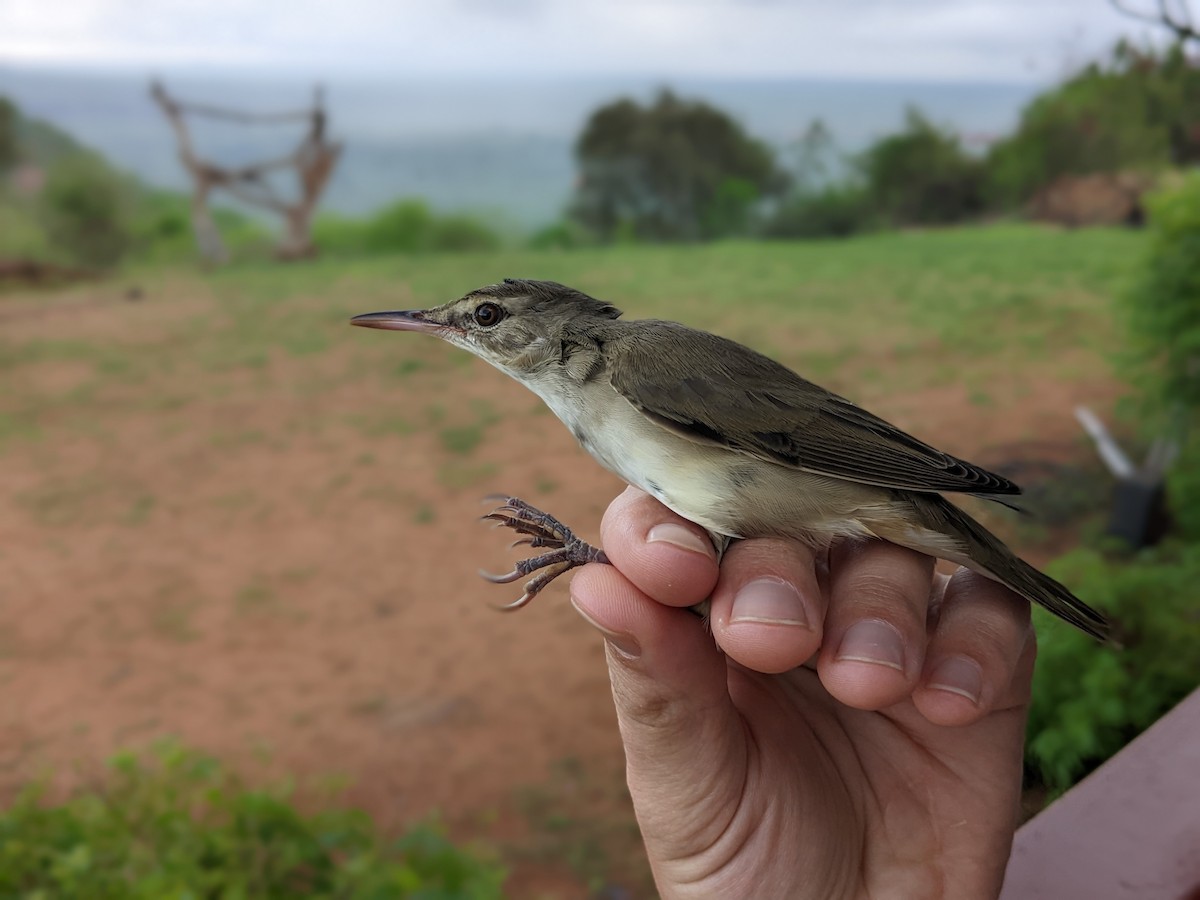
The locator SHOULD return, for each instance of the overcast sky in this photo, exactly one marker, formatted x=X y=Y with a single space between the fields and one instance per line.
x=993 y=40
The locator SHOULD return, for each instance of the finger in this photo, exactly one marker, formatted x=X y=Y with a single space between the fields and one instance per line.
x=683 y=739
x=767 y=609
x=667 y=557
x=975 y=653
x=875 y=632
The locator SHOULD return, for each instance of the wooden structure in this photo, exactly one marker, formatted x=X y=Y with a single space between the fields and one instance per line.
x=312 y=161
x=1129 y=831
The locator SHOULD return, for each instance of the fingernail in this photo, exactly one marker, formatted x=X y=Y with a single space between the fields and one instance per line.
x=958 y=675
x=685 y=538
x=624 y=644
x=769 y=600
x=873 y=641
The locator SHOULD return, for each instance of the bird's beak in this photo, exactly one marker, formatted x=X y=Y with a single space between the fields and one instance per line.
x=399 y=320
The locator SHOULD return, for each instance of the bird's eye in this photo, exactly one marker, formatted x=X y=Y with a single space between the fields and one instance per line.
x=488 y=314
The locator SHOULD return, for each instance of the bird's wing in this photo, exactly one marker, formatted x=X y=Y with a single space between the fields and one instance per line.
x=714 y=391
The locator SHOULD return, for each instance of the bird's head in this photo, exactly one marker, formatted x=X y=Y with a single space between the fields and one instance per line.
x=516 y=325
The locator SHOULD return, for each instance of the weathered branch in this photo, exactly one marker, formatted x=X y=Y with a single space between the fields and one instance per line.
x=244 y=118
x=1179 y=22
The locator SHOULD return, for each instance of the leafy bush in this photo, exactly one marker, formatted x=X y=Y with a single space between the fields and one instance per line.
x=462 y=233
x=1134 y=110
x=1163 y=307
x=1089 y=701
x=562 y=235
x=838 y=210
x=181 y=826
x=406 y=226
x=21 y=234
x=85 y=208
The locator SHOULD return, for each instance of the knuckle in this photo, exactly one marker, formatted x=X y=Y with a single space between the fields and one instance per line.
x=769 y=556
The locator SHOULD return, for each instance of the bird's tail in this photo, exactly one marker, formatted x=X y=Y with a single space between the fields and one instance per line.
x=986 y=554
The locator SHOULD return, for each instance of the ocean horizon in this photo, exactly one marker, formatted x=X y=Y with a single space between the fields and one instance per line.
x=502 y=148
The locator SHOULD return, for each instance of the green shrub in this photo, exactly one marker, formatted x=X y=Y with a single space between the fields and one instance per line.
x=457 y=233
x=180 y=826
x=1089 y=701
x=838 y=210
x=85 y=208
x=21 y=234
x=406 y=226
x=562 y=235
x=1163 y=306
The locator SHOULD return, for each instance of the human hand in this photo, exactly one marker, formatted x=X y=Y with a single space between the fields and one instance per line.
x=855 y=729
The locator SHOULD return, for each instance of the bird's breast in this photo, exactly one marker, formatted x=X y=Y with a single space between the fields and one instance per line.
x=724 y=491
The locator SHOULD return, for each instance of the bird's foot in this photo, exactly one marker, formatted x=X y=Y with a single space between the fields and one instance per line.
x=543 y=530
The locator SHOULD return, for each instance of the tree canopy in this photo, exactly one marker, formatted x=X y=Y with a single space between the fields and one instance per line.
x=671 y=170
x=1135 y=110
x=922 y=175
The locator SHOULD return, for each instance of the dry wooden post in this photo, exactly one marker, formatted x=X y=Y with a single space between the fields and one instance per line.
x=313 y=162
x=208 y=238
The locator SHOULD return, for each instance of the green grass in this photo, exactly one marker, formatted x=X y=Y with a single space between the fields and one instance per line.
x=855 y=312
x=816 y=304
x=463 y=439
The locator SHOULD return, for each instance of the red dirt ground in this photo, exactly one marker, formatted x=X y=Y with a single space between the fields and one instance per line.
x=282 y=599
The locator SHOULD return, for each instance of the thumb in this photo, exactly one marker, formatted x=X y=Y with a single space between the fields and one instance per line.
x=684 y=744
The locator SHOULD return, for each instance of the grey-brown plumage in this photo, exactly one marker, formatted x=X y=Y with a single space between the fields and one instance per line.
x=727 y=437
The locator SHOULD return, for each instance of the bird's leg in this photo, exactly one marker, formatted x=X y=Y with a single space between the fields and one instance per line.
x=543 y=530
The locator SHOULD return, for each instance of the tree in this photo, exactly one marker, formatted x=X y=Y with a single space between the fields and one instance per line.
x=8 y=134
x=922 y=175
x=1136 y=110
x=672 y=170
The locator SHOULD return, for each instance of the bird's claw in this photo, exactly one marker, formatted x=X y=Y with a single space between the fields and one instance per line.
x=543 y=530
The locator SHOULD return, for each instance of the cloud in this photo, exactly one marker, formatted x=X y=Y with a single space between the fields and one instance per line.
x=993 y=40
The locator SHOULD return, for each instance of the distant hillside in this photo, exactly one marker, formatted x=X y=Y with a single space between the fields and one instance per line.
x=25 y=139
x=41 y=143
x=63 y=206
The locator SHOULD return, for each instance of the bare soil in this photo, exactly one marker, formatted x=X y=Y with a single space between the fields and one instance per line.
x=245 y=569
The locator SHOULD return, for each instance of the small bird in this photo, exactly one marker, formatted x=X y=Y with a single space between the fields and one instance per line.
x=722 y=435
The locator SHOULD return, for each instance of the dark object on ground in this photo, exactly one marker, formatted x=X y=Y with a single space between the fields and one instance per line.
x=1139 y=513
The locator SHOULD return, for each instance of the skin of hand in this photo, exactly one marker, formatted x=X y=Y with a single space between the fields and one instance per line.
x=854 y=730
